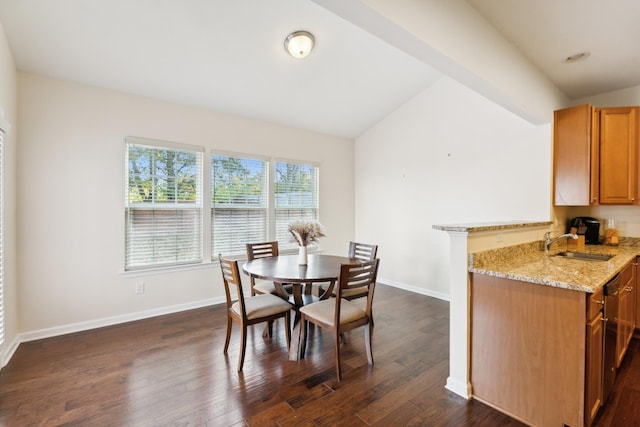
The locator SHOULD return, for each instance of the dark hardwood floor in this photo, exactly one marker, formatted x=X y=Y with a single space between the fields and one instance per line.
x=622 y=408
x=170 y=371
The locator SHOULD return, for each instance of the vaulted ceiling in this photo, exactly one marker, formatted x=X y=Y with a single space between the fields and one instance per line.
x=549 y=32
x=229 y=55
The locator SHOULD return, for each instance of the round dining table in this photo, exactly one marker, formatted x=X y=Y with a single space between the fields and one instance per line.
x=284 y=270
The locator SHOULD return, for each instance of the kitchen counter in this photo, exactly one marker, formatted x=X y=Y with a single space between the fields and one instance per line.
x=490 y=226
x=528 y=263
x=537 y=329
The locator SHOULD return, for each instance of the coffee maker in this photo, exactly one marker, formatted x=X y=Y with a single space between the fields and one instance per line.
x=588 y=227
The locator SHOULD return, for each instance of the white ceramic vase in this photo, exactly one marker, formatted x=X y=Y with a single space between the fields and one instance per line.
x=302 y=255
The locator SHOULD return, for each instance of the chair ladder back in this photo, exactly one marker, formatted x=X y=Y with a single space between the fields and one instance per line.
x=363 y=251
x=231 y=277
x=261 y=250
x=354 y=276
x=359 y=275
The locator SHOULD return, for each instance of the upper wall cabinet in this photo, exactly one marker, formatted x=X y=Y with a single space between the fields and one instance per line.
x=618 y=158
x=595 y=155
x=575 y=156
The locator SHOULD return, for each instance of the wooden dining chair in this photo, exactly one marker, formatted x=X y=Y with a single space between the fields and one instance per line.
x=362 y=252
x=249 y=311
x=261 y=250
x=340 y=315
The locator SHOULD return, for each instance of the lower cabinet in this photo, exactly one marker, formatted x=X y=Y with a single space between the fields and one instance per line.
x=636 y=307
x=595 y=343
x=537 y=351
x=530 y=357
x=626 y=311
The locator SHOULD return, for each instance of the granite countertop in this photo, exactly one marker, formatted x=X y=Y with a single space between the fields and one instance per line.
x=490 y=226
x=528 y=263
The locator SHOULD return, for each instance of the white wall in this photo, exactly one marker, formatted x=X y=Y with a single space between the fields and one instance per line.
x=8 y=102
x=617 y=98
x=71 y=195
x=447 y=156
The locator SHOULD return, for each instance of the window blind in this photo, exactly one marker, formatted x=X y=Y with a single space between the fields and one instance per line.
x=163 y=209
x=296 y=197
x=239 y=203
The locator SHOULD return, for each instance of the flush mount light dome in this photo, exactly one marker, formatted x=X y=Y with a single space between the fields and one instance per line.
x=577 y=57
x=299 y=44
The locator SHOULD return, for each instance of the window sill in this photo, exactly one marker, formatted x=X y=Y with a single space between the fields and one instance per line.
x=172 y=269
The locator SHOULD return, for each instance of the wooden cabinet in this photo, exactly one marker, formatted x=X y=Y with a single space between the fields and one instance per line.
x=637 y=294
x=575 y=156
x=618 y=136
x=626 y=311
x=528 y=351
x=593 y=369
x=595 y=155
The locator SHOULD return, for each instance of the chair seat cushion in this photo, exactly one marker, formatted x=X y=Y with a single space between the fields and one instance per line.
x=362 y=291
x=324 y=311
x=262 y=306
x=264 y=287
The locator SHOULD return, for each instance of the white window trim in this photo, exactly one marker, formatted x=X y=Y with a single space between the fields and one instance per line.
x=271 y=210
x=205 y=189
x=272 y=195
x=209 y=260
x=246 y=156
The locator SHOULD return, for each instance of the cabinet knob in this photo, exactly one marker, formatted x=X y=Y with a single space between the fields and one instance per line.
x=598 y=302
x=628 y=289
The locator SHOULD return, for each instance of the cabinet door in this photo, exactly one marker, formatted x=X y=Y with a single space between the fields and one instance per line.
x=618 y=147
x=637 y=296
x=633 y=291
x=593 y=392
x=630 y=309
x=629 y=320
x=621 y=340
x=575 y=156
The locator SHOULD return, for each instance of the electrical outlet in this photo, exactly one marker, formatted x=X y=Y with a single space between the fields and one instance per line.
x=499 y=238
x=140 y=288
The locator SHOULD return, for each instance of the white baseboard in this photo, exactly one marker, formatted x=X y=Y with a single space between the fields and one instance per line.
x=414 y=289
x=115 y=320
x=461 y=388
x=7 y=354
x=99 y=323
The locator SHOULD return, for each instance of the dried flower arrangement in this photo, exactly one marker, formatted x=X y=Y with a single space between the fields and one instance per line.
x=305 y=232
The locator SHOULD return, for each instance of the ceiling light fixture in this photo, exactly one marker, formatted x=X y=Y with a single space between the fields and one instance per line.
x=299 y=44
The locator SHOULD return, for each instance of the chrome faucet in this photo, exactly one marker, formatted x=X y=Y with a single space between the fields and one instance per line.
x=548 y=241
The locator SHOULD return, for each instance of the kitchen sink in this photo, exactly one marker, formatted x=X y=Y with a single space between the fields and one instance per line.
x=585 y=256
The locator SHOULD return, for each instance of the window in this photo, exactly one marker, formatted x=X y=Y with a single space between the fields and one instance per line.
x=239 y=203
x=251 y=200
x=1 y=246
x=240 y=207
x=163 y=209
x=296 y=197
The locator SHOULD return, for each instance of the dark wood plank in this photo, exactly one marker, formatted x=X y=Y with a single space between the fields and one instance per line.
x=623 y=406
x=170 y=370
